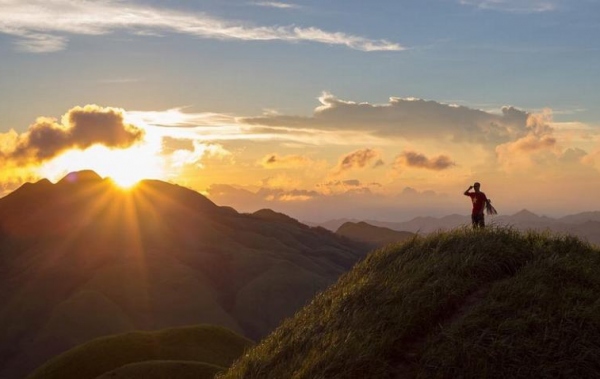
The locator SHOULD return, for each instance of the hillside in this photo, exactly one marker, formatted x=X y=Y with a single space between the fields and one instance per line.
x=494 y=303
x=81 y=259
x=194 y=349
x=376 y=236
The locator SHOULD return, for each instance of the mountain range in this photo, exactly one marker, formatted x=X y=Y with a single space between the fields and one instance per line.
x=81 y=259
x=585 y=225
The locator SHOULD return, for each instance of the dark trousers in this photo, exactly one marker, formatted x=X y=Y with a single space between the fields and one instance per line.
x=478 y=220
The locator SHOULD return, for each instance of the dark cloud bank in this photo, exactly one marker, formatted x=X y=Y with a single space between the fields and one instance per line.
x=409 y=118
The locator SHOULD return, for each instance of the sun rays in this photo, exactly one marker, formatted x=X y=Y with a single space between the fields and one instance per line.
x=125 y=167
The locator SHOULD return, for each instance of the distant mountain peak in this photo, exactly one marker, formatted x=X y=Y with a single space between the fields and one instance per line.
x=375 y=235
x=42 y=182
x=269 y=214
x=84 y=176
x=525 y=213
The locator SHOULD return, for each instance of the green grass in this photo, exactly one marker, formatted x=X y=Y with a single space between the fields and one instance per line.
x=462 y=304
x=204 y=343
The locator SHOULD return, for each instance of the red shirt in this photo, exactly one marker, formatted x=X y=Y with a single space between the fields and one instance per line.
x=479 y=199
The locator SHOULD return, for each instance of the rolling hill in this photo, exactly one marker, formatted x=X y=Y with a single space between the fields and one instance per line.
x=493 y=303
x=199 y=350
x=81 y=259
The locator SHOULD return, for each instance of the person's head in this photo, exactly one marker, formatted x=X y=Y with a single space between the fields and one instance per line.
x=476 y=186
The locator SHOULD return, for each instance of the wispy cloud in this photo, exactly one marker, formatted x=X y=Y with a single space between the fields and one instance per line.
x=514 y=6
x=119 y=81
x=213 y=127
x=45 y=25
x=276 y=4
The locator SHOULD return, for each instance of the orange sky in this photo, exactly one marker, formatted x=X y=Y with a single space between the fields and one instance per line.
x=316 y=109
x=387 y=161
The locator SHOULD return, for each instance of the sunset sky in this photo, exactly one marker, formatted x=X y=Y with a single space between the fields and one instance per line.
x=380 y=110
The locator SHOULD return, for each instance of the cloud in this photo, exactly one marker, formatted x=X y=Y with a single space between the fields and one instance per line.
x=351 y=182
x=240 y=198
x=379 y=163
x=513 y=6
x=282 y=182
x=357 y=159
x=195 y=156
x=275 y=4
x=589 y=159
x=285 y=196
x=355 y=201
x=407 y=118
x=418 y=160
x=13 y=176
x=575 y=155
x=80 y=128
x=43 y=25
x=209 y=126
x=539 y=138
x=411 y=193
x=346 y=186
x=39 y=43
x=527 y=144
x=176 y=117
x=274 y=161
x=542 y=157
x=172 y=144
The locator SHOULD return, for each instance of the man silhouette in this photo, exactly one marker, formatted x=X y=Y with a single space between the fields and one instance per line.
x=479 y=202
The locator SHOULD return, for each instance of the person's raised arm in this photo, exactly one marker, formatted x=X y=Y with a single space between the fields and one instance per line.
x=466 y=193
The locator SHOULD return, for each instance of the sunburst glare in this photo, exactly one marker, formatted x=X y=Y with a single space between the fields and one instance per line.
x=125 y=167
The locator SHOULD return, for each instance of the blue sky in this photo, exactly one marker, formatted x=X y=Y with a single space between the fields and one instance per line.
x=245 y=59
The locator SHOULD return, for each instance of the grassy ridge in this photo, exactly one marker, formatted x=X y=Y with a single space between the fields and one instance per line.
x=204 y=343
x=494 y=303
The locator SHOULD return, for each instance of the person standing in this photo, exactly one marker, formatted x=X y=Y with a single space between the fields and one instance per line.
x=479 y=203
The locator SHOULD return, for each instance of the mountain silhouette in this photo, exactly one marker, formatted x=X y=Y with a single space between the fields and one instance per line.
x=375 y=235
x=585 y=225
x=82 y=259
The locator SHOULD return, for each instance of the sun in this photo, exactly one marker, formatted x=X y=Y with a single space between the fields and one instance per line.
x=125 y=167
x=125 y=180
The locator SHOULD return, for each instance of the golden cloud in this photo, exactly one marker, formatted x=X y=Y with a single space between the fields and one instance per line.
x=274 y=161
x=539 y=138
x=358 y=159
x=418 y=160
x=80 y=128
